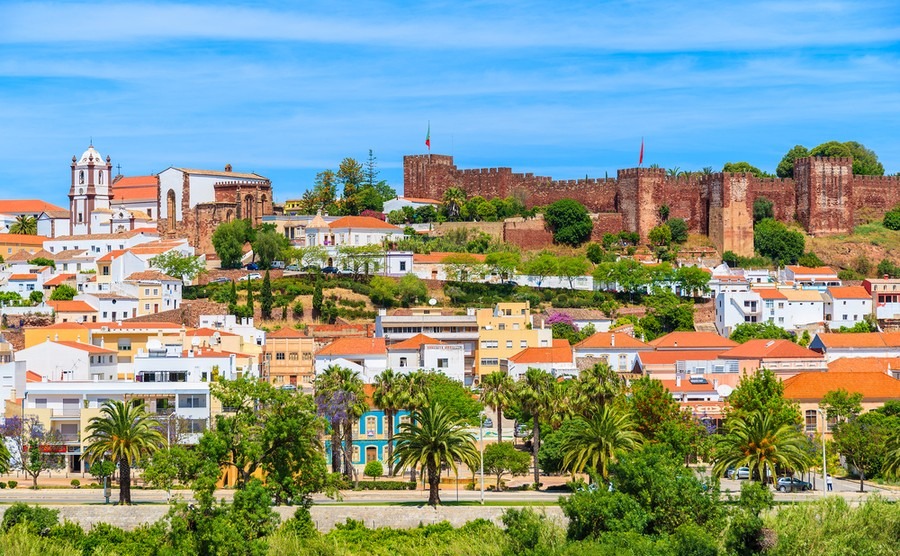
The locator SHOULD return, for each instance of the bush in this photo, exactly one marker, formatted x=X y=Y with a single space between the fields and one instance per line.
x=75 y=483
x=527 y=531
x=386 y=485
x=374 y=469
x=36 y=518
x=892 y=219
x=297 y=309
x=13 y=484
x=2 y=485
x=570 y=222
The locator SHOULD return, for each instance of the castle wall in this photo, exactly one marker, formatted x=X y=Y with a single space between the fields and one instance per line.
x=873 y=196
x=782 y=193
x=527 y=234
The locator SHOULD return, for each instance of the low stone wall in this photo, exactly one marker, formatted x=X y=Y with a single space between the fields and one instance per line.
x=325 y=516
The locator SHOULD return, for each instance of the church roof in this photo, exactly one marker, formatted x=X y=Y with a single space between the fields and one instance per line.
x=90 y=155
x=134 y=188
x=219 y=173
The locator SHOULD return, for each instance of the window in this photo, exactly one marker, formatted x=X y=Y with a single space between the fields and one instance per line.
x=523 y=344
x=811 y=419
x=402 y=266
x=279 y=356
x=155 y=291
x=40 y=403
x=146 y=292
x=124 y=345
x=489 y=361
x=489 y=344
x=146 y=306
x=403 y=362
x=509 y=344
x=195 y=426
x=293 y=357
x=106 y=270
x=623 y=362
x=443 y=363
x=191 y=400
x=501 y=326
x=371 y=425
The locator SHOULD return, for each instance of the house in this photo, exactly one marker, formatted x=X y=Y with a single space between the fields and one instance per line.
x=431 y=266
x=75 y=310
x=366 y=356
x=101 y=243
x=449 y=328
x=885 y=294
x=581 y=318
x=783 y=357
x=558 y=360
x=617 y=350
x=503 y=331
x=52 y=223
x=190 y=363
x=135 y=193
x=817 y=278
x=805 y=308
x=111 y=306
x=670 y=364
x=808 y=390
x=870 y=344
x=887 y=365
x=63 y=278
x=254 y=339
x=26 y=207
x=13 y=243
x=60 y=360
x=154 y=290
x=845 y=306
x=288 y=359
x=68 y=331
x=399 y=203
x=428 y=354
x=351 y=231
x=699 y=341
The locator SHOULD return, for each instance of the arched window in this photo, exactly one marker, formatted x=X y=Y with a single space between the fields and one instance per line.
x=100 y=177
x=371 y=425
x=170 y=207
x=81 y=176
x=250 y=209
x=229 y=215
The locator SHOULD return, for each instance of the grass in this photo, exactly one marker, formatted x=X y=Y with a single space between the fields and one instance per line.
x=449 y=503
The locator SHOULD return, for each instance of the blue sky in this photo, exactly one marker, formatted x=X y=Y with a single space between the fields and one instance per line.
x=564 y=89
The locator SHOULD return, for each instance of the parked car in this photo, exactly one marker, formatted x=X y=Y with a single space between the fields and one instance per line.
x=522 y=431
x=792 y=484
x=252 y=266
x=252 y=276
x=330 y=270
x=739 y=473
x=512 y=283
x=487 y=423
x=220 y=280
x=293 y=268
x=278 y=265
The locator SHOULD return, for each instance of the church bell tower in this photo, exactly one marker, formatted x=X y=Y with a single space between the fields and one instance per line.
x=90 y=190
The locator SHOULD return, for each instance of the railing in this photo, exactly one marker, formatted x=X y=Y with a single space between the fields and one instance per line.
x=76 y=412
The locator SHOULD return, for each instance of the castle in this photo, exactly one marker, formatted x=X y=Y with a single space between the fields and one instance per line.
x=824 y=196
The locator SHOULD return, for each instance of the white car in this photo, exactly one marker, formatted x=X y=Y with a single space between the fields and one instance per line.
x=252 y=276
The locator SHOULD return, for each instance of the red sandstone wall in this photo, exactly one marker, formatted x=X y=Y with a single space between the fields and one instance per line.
x=527 y=234
x=873 y=196
x=782 y=193
x=607 y=223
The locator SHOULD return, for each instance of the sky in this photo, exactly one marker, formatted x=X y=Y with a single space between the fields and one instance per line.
x=565 y=89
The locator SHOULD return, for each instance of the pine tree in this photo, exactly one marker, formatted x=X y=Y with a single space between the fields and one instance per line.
x=265 y=296
x=317 y=300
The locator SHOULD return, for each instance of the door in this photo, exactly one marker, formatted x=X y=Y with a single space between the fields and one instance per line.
x=371 y=453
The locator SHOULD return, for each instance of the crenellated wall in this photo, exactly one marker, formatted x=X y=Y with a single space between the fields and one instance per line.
x=824 y=196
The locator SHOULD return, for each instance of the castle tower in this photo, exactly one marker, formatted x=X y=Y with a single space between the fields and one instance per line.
x=427 y=176
x=636 y=198
x=730 y=218
x=824 y=194
x=89 y=191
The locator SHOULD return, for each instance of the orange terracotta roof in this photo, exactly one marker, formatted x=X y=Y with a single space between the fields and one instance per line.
x=728 y=278
x=209 y=332
x=864 y=364
x=692 y=340
x=31 y=376
x=859 y=340
x=126 y=325
x=363 y=222
x=22 y=239
x=135 y=188
x=155 y=247
x=151 y=275
x=688 y=386
x=769 y=293
x=114 y=254
x=673 y=356
x=771 y=349
x=211 y=353
x=437 y=257
x=849 y=292
x=74 y=306
x=355 y=346
x=414 y=343
x=118 y=235
x=814 y=386
x=286 y=332
x=13 y=206
x=90 y=348
x=63 y=326
x=606 y=339
x=22 y=277
x=60 y=279
x=559 y=353
x=822 y=270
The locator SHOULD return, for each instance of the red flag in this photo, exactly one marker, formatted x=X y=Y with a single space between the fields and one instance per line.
x=428 y=137
x=641 y=159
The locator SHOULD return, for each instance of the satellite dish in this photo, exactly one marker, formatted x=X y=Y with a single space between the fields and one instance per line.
x=724 y=390
x=432 y=302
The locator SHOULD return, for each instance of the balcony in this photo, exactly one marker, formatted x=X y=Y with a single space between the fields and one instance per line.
x=74 y=413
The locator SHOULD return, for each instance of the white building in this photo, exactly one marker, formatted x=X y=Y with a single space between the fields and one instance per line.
x=617 y=350
x=100 y=244
x=846 y=306
x=818 y=278
x=351 y=231
x=366 y=356
x=412 y=202
x=836 y=345
x=423 y=353
x=70 y=361
x=885 y=294
x=557 y=360
x=242 y=327
x=191 y=363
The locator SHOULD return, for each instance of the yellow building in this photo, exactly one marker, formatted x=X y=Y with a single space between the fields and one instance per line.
x=13 y=243
x=503 y=331
x=289 y=358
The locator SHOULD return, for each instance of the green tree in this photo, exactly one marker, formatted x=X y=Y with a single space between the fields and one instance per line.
x=391 y=395
x=678 y=229
x=746 y=331
x=318 y=297
x=810 y=259
x=764 y=443
x=24 y=225
x=774 y=240
x=596 y=387
x=501 y=458
x=892 y=219
x=656 y=414
x=250 y=308
x=569 y=221
x=32 y=446
x=265 y=297
x=178 y=265
x=763 y=208
x=463 y=267
x=503 y=263
x=228 y=240
x=383 y=290
x=595 y=442
x=543 y=265
x=350 y=175
x=373 y=469
x=123 y=432
x=841 y=405
x=572 y=267
x=35 y=297
x=535 y=395
x=630 y=275
x=664 y=212
x=411 y=289
x=743 y=168
x=433 y=438
x=232 y=293
x=169 y=466
x=268 y=246
x=63 y=292
x=497 y=390
x=786 y=166
x=435 y=388
x=762 y=392
x=660 y=236
x=862 y=441
x=692 y=280
x=341 y=399
x=865 y=161
x=42 y=261
x=454 y=199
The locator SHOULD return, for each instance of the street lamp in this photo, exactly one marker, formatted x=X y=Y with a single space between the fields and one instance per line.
x=824 y=470
x=481 y=454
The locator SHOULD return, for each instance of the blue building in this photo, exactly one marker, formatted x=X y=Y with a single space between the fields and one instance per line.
x=370 y=437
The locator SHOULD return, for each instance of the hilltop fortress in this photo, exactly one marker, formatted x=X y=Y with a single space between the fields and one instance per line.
x=824 y=196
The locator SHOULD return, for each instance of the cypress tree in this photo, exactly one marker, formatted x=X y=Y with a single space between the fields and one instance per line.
x=232 y=298
x=250 y=296
x=317 y=299
x=265 y=296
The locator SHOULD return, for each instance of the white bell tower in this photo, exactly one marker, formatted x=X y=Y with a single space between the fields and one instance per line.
x=90 y=190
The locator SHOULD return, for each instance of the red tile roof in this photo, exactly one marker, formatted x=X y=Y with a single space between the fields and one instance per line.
x=21 y=239
x=606 y=339
x=864 y=364
x=137 y=325
x=362 y=222
x=414 y=343
x=203 y=332
x=859 y=340
x=60 y=279
x=437 y=257
x=559 y=353
x=286 y=332
x=671 y=357
x=74 y=306
x=135 y=188
x=692 y=340
x=771 y=349
x=211 y=353
x=822 y=270
x=90 y=348
x=688 y=386
x=769 y=293
x=22 y=277
x=14 y=206
x=849 y=292
x=31 y=376
x=355 y=346
x=114 y=254
x=814 y=386
x=154 y=275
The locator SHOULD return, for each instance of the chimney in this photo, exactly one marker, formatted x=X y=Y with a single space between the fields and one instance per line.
x=48 y=337
x=676 y=343
x=716 y=383
x=228 y=167
x=612 y=339
x=102 y=343
x=677 y=380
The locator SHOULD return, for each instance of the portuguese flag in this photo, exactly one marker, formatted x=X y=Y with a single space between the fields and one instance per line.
x=428 y=137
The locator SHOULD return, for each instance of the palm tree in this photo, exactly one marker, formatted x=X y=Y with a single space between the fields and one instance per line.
x=596 y=387
x=760 y=442
x=391 y=395
x=892 y=459
x=432 y=439
x=24 y=225
x=454 y=199
x=496 y=391
x=340 y=399
x=535 y=394
x=595 y=442
x=123 y=432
